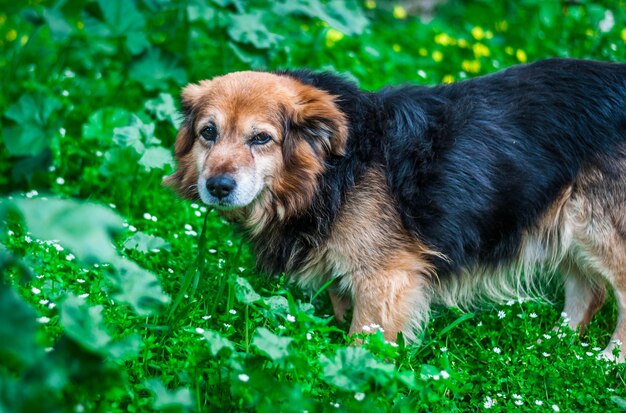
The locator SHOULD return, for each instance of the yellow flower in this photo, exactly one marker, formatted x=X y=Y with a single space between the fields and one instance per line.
x=370 y=4
x=333 y=36
x=502 y=26
x=508 y=50
x=463 y=43
x=399 y=12
x=624 y=35
x=521 y=55
x=3 y=19
x=423 y=52
x=23 y=40
x=444 y=40
x=478 y=33
x=80 y=25
x=11 y=35
x=396 y=47
x=448 y=79
x=437 y=56
x=480 y=50
x=471 y=66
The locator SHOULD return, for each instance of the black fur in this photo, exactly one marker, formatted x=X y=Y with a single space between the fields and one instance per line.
x=471 y=164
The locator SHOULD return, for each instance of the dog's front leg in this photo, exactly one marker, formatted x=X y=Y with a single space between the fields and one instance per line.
x=397 y=300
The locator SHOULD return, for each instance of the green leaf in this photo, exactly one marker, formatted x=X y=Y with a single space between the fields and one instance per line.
x=164 y=109
x=344 y=15
x=121 y=16
x=86 y=229
x=84 y=324
x=34 y=130
x=101 y=124
x=179 y=400
x=244 y=291
x=155 y=71
x=273 y=346
x=138 y=288
x=218 y=345
x=352 y=368
x=138 y=135
x=143 y=242
x=248 y=28
x=17 y=328
x=157 y=157
x=60 y=29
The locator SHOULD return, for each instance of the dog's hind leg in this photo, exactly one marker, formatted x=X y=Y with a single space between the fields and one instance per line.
x=598 y=220
x=584 y=296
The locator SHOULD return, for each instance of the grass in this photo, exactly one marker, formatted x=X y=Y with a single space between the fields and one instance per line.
x=89 y=115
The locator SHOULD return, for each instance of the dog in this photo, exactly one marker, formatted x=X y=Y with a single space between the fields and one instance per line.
x=412 y=196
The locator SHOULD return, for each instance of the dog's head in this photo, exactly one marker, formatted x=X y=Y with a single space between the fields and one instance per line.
x=253 y=137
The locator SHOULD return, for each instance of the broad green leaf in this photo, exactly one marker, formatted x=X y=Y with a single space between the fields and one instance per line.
x=17 y=328
x=101 y=123
x=343 y=15
x=121 y=16
x=157 y=157
x=143 y=242
x=86 y=229
x=270 y=344
x=200 y=10
x=85 y=324
x=352 y=368
x=164 y=109
x=59 y=27
x=120 y=163
x=244 y=291
x=155 y=71
x=137 y=42
x=138 y=135
x=137 y=287
x=248 y=28
x=179 y=400
x=34 y=130
x=217 y=343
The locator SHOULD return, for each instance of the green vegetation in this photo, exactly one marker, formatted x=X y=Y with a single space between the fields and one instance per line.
x=116 y=296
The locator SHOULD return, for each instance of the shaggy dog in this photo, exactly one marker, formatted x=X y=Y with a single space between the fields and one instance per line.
x=413 y=195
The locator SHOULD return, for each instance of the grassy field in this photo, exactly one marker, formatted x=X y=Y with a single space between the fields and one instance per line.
x=116 y=296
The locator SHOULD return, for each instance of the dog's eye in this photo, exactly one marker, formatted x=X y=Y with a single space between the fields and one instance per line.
x=209 y=133
x=260 y=139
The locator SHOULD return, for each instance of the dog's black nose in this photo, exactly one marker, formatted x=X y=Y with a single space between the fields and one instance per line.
x=220 y=186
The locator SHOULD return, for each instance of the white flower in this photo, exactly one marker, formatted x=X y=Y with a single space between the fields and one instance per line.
x=555 y=408
x=533 y=315
x=538 y=402
x=510 y=302
x=80 y=280
x=244 y=377
x=578 y=357
x=516 y=396
x=43 y=302
x=564 y=314
x=501 y=314
x=547 y=336
x=84 y=295
x=497 y=350
x=445 y=374
x=308 y=336
x=589 y=353
x=147 y=216
x=228 y=325
x=519 y=402
x=607 y=23
x=206 y=317
x=489 y=402
x=596 y=349
x=584 y=344
x=444 y=349
x=132 y=228
x=198 y=213
x=366 y=328
x=291 y=318
x=232 y=311
x=43 y=320
x=60 y=181
x=70 y=257
x=199 y=330
x=546 y=354
x=154 y=219
x=194 y=205
x=171 y=271
x=359 y=396
x=28 y=239
x=480 y=323
x=35 y=290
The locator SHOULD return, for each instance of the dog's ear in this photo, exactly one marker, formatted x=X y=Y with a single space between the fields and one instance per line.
x=315 y=118
x=183 y=179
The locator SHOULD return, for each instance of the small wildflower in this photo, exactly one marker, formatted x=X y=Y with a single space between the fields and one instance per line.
x=333 y=36
x=533 y=315
x=445 y=374
x=501 y=314
x=473 y=66
x=11 y=35
x=547 y=336
x=228 y=325
x=448 y=79
x=366 y=328
x=607 y=23
x=281 y=327
x=480 y=50
x=392 y=343
x=396 y=47
x=28 y=239
x=489 y=402
x=538 y=402
x=84 y=295
x=596 y=349
x=480 y=324
x=437 y=56
x=43 y=320
x=444 y=349
x=51 y=306
x=510 y=302
x=291 y=318
x=497 y=350
x=516 y=396
x=478 y=33
x=70 y=257
x=154 y=219
x=60 y=181
x=370 y=4
x=589 y=353
x=556 y=408
x=309 y=336
x=521 y=56
x=198 y=213
x=244 y=377
x=463 y=43
x=206 y=317
x=43 y=302
x=399 y=12
x=422 y=52
x=421 y=74
x=584 y=344
x=610 y=389
x=132 y=228
x=199 y=330
x=444 y=40
x=147 y=216
x=35 y=290
x=232 y=311
x=359 y=396
x=546 y=354
x=519 y=402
